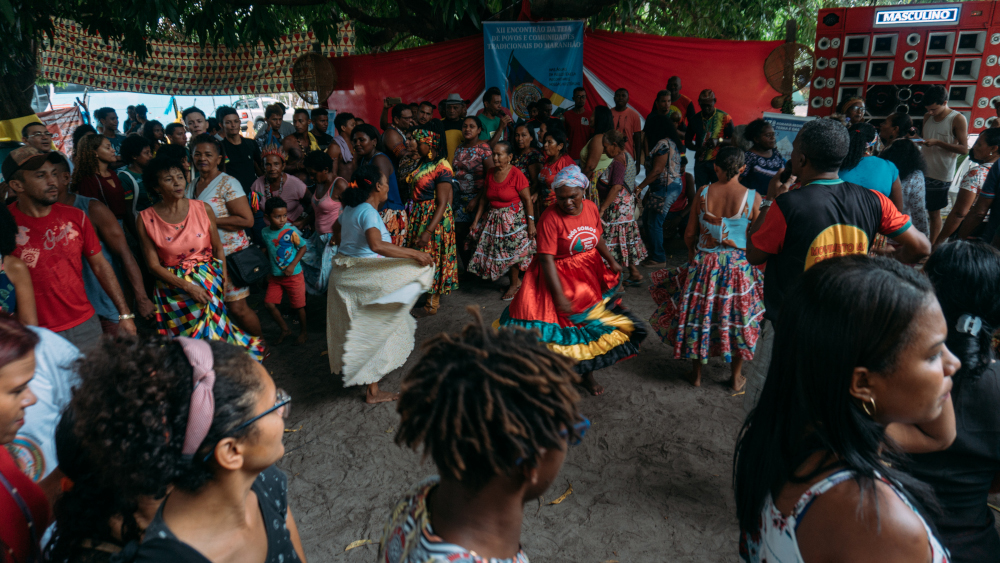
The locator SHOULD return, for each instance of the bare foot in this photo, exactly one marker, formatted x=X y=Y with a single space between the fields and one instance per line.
x=511 y=292
x=302 y=338
x=284 y=334
x=652 y=264
x=738 y=382
x=591 y=385
x=380 y=397
x=695 y=379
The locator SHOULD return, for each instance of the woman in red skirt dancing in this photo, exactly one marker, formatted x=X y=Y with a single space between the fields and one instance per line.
x=568 y=292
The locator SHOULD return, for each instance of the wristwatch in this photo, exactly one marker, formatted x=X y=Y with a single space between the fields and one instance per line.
x=126 y=317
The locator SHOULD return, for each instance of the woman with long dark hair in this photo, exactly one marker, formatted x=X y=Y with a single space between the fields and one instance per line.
x=860 y=345
x=152 y=130
x=663 y=176
x=17 y=295
x=525 y=157
x=966 y=278
x=593 y=161
x=861 y=167
x=365 y=139
x=910 y=163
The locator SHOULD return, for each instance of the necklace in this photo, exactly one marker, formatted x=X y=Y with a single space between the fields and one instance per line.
x=281 y=186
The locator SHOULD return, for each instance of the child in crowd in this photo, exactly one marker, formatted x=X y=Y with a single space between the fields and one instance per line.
x=285 y=246
x=496 y=410
x=713 y=305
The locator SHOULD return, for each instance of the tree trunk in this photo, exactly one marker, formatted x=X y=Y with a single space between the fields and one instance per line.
x=16 y=90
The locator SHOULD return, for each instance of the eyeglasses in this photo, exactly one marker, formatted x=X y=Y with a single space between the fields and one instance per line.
x=283 y=399
x=581 y=430
x=45 y=134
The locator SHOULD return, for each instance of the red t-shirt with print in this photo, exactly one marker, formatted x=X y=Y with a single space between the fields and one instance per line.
x=563 y=235
x=54 y=247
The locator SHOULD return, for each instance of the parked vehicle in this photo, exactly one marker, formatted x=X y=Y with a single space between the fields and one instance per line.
x=251 y=112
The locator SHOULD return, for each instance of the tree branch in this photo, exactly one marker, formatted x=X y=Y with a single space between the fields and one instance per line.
x=293 y=3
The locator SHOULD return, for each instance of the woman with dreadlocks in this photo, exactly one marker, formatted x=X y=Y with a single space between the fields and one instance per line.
x=496 y=411
x=568 y=292
x=432 y=221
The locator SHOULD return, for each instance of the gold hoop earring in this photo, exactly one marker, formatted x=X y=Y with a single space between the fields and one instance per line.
x=864 y=407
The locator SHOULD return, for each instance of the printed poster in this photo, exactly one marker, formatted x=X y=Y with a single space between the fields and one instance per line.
x=786 y=127
x=529 y=61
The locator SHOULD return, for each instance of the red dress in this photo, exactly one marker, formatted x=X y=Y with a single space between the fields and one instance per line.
x=599 y=331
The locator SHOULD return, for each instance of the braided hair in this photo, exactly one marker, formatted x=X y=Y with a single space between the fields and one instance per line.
x=862 y=135
x=484 y=402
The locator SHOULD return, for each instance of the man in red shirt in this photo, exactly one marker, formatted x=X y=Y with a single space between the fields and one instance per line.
x=823 y=218
x=679 y=102
x=626 y=119
x=579 y=126
x=52 y=240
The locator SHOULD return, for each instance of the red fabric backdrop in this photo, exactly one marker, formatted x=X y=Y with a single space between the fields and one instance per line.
x=641 y=63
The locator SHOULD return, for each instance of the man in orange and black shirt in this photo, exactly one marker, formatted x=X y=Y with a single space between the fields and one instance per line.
x=822 y=218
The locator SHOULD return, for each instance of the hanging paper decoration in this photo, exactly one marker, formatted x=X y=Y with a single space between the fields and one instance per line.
x=173 y=68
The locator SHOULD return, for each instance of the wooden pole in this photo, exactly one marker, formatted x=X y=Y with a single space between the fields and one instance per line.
x=788 y=84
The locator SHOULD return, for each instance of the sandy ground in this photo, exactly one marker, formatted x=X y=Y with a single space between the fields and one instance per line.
x=651 y=480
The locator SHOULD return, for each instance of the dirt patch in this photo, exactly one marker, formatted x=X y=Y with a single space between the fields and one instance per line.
x=651 y=480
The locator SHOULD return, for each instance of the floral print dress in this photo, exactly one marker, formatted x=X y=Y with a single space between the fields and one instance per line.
x=621 y=231
x=223 y=189
x=469 y=168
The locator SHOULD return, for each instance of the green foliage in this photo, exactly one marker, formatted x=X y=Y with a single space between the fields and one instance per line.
x=723 y=19
x=24 y=23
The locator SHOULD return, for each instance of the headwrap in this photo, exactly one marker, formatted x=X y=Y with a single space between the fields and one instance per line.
x=202 y=408
x=426 y=136
x=570 y=176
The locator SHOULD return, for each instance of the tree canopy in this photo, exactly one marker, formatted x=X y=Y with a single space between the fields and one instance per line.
x=381 y=24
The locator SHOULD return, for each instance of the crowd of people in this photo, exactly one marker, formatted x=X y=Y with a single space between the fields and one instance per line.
x=857 y=322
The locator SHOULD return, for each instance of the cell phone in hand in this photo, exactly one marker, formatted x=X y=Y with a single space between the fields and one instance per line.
x=389 y=102
x=786 y=174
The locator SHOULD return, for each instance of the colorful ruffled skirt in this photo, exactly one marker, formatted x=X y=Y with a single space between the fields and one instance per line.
x=316 y=262
x=178 y=314
x=441 y=245
x=599 y=331
x=621 y=232
x=710 y=308
x=397 y=223
x=503 y=243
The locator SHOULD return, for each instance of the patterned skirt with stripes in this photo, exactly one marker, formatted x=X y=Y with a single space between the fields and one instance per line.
x=711 y=307
x=179 y=314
